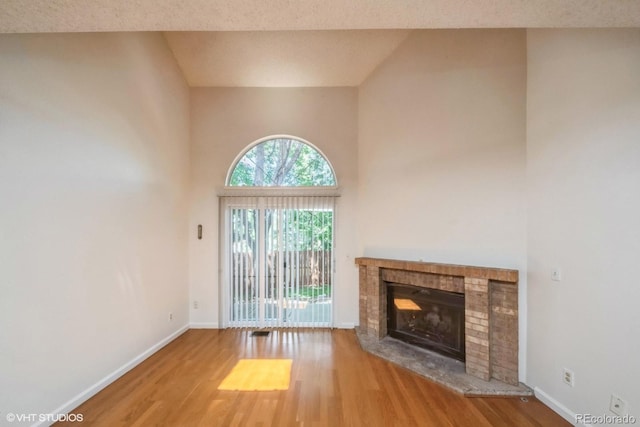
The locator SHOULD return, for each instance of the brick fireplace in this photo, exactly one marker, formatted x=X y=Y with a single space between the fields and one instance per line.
x=491 y=308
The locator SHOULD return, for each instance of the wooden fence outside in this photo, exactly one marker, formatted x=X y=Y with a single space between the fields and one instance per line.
x=306 y=268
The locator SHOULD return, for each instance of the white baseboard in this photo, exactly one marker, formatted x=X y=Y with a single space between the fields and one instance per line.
x=205 y=325
x=557 y=407
x=97 y=387
x=346 y=326
x=215 y=325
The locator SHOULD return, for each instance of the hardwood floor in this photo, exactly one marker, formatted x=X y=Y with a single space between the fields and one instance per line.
x=333 y=383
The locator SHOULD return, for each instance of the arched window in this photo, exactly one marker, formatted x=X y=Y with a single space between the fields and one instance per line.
x=281 y=161
x=278 y=219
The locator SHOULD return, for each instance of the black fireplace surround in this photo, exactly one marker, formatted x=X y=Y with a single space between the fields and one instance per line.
x=428 y=318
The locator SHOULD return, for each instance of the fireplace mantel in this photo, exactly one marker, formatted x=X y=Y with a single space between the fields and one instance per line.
x=491 y=308
x=498 y=274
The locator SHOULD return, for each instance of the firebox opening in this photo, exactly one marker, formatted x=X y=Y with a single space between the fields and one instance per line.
x=428 y=318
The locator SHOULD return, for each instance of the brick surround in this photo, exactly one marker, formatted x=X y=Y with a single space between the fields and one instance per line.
x=491 y=308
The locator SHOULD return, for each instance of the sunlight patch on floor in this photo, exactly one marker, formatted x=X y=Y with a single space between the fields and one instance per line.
x=258 y=375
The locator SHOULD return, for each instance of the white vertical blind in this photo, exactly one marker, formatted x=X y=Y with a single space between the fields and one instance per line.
x=278 y=261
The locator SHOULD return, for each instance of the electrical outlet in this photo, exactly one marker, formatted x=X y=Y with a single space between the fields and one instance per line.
x=170 y=317
x=195 y=305
x=556 y=274
x=568 y=377
x=617 y=405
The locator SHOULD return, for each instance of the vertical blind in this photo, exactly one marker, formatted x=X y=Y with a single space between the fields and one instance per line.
x=278 y=261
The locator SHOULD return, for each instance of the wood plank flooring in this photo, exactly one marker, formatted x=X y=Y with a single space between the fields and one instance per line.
x=333 y=383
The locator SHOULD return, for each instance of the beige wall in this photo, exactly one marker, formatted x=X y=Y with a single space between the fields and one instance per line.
x=442 y=152
x=93 y=194
x=224 y=122
x=583 y=167
x=430 y=157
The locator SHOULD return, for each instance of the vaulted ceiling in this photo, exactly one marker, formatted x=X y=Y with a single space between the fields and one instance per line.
x=281 y=58
x=298 y=42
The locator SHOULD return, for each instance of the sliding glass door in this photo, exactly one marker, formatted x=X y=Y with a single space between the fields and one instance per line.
x=279 y=257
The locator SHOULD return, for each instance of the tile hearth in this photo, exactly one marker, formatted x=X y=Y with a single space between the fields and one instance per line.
x=440 y=369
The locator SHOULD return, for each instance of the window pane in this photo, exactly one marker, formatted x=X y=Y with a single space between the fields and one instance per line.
x=282 y=162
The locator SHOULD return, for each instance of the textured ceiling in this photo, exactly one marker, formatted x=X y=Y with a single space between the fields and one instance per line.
x=258 y=42
x=252 y=15
x=281 y=58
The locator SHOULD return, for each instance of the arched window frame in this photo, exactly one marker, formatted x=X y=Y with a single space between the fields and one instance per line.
x=317 y=188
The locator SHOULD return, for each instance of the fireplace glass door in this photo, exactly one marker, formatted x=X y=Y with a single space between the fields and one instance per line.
x=428 y=318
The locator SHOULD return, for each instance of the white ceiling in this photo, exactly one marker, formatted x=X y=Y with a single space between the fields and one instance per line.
x=252 y=15
x=281 y=58
x=258 y=42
